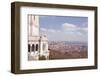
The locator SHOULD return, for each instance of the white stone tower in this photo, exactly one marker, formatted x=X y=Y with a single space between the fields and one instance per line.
x=37 y=45
x=33 y=25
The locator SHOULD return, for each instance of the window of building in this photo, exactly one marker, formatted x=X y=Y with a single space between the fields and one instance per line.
x=36 y=47
x=33 y=47
x=28 y=47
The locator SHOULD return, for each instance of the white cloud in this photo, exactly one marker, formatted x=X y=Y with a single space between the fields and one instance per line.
x=68 y=26
x=51 y=30
x=85 y=29
x=43 y=29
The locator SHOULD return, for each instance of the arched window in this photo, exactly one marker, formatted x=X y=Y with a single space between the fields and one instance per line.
x=28 y=47
x=36 y=47
x=44 y=46
x=33 y=47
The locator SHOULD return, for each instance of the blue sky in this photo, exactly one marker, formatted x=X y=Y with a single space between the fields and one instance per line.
x=64 y=28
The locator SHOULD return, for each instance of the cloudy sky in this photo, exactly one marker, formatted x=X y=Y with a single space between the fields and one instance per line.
x=64 y=28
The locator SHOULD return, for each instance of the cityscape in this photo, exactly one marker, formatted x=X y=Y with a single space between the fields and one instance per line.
x=67 y=50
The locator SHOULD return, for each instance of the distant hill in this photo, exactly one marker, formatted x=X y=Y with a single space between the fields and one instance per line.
x=69 y=42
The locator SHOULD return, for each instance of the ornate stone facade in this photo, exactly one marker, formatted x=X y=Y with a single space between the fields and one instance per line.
x=37 y=44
